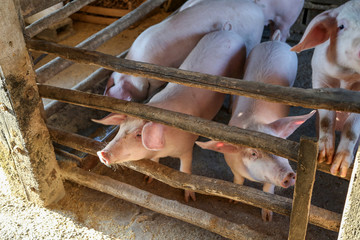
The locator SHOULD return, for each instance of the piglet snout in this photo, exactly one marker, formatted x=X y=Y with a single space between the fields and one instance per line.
x=104 y=157
x=289 y=180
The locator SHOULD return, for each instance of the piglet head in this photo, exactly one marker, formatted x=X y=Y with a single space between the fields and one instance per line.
x=255 y=164
x=342 y=26
x=135 y=140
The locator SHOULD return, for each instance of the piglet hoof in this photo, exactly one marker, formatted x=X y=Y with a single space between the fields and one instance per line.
x=148 y=179
x=266 y=215
x=190 y=194
x=326 y=149
x=341 y=163
x=326 y=155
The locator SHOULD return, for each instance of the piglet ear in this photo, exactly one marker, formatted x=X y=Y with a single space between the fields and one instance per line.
x=153 y=136
x=218 y=146
x=284 y=127
x=111 y=119
x=318 y=31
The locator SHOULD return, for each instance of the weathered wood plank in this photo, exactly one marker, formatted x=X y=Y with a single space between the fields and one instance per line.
x=324 y=98
x=26 y=152
x=209 y=186
x=350 y=223
x=97 y=76
x=275 y=145
x=287 y=149
x=83 y=17
x=55 y=66
x=305 y=178
x=161 y=205
x=111 y=12
x=54 y=17
x=30 y=7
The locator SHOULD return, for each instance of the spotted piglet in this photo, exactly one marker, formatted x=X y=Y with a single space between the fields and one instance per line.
x=218 y=53
x=262 y=65
x=335 y=34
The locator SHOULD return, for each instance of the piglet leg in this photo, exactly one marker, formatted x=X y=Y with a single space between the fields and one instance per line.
x=265 y=213
x=238 y=180
x=148 y=179
x=326 y=135
x=345 y=151
x=185 y=167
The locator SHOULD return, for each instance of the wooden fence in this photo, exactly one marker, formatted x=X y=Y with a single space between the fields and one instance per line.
x=300 y=210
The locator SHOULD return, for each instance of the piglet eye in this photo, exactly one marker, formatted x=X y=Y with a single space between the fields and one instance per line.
x=341 y=27
x=254 y=154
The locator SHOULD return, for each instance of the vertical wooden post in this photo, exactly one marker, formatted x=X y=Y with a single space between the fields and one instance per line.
x=350 y=222
x=306 y=169
x=26 y=152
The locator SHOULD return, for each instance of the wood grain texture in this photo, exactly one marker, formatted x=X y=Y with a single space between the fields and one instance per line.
x=55 y=66
x=30 y=7
x=161 y=205
x=305 y=178
x=54 y=17
x=323 y=98
x=275 y=145
x=26 y=152
x=209 y=186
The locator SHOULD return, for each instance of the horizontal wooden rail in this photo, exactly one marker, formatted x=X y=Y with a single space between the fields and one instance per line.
x=310 y=5
x=328 y=98
x=55 y=66
x=29 y=8
x=100 y=74
x=278 y=146
x=161 y=205
x=275 y=145
x=251 y=196
x=54 y=17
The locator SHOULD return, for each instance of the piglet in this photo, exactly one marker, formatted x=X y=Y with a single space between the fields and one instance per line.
x=335 y=34
x=170 y=42
x=218 y=53
x=279 y=14
x=269 y=62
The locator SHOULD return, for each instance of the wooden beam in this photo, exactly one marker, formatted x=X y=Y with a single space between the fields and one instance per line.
x=83 y=17
x=45 y=22
x=350 y=223
x=318 y=216
x=55 y=66
x=111 y=12
x=324 y=98
x=305 y=178
x=26 y=152
x=310 y=5
x=161 y=205
x=275 y=145
x=95 y=78
x=30 y=7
